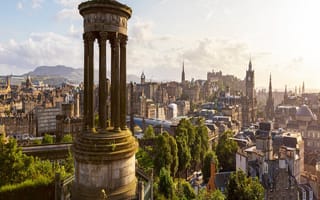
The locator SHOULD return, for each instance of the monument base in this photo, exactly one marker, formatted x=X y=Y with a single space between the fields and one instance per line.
x=105 y=165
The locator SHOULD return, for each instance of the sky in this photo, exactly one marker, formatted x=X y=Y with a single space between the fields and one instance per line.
x=280 y=36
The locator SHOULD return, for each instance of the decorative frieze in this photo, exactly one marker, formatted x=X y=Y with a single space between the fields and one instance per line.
x=105 y=22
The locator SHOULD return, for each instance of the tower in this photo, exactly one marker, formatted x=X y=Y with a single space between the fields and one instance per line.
x=142 y=78
x=249 y=100
x=303 y=88
x=269 y=110
x=9 y=81
x=105 y=153
x=183 y=77
x=28 y=82
x=285 y=96
x=250 y=82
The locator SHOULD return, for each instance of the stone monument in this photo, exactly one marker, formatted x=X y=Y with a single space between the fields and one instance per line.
x=105 y=153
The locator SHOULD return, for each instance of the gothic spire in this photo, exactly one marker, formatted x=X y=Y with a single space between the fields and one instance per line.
x=183 y=77
x=250 y=65
x=270 y=87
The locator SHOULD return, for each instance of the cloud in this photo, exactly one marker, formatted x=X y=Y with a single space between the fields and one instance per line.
x=41 y=49
x=36 y=3
x=68 y=13
x=69 y=10
x=19 y=5
x=160 y=56
x=229 y=56
x=68 y=3
x=74 y=32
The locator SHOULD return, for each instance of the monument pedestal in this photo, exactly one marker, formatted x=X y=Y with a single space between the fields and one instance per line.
x=104 y=165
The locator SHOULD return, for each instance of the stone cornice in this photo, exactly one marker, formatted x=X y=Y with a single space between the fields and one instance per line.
x=110 y=5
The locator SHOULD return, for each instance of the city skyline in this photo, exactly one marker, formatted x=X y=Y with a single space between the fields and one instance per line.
x=280 y=37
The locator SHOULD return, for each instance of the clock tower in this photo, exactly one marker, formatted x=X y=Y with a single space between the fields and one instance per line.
x=250 y=82
x=249 y=100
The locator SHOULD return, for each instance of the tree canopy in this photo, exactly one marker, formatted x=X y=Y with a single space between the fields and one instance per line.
x=47 y=139
x=206 y=168
x=241 y=187
x=210 y=195
x=166 y=186
x=226 y=150
x=165 y=153
x=67 y=138
x=148 y=132
x=17 y=167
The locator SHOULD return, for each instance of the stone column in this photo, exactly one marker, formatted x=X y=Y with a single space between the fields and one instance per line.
x=90 y=90
x=123 y=82
x=108 y=102
x=115 y=82
x=85 y=82
x=111 y=94
x=102 y=80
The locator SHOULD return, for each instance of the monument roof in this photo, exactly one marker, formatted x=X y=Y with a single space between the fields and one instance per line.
x=111 y=2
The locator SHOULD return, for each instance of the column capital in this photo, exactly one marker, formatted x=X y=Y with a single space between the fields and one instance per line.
x=103 y=36
x=90 y=37
x=123 y=40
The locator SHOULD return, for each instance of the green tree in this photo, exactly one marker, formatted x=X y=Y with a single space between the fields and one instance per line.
x=183 y=154
x=206 y=168
x=174 y=153
x=67 y=138
x=166 y=186
x=188 y=191
x=149 y=132
x=203 y=138
x=185 y=138
x=144 y=160
x=47 y=139
x=226 y=150
x=17 y=167
x=210 y=195
x=13 y=163
x=241 y=187
x=162 y=153
x=68 y=163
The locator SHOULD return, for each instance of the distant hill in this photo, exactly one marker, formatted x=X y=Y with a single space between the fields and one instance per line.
x=56 y=75
x=58 y=72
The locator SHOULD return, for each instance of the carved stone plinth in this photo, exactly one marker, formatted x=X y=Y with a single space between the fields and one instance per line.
x=103 y=165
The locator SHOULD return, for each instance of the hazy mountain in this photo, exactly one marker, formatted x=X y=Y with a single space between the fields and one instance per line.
x=55 y=75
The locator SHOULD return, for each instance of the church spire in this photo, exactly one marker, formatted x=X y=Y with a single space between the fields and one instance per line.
x=270 y=87
x=270 y=103
x=183 y=76
x=250 y=65
x=285 y=96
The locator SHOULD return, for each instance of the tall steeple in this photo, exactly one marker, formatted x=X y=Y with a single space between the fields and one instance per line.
x=270 y=87
x=250 y=65
x=183 y=76
x=270 y=103
x=285 y=96
x=303 y=89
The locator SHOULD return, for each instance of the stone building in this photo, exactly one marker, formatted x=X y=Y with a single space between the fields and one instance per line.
x=277 y=160
x=45 y=119
x=69 y=121
x=5 y=88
